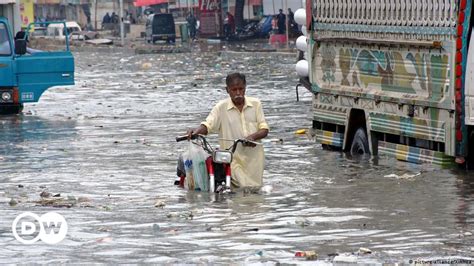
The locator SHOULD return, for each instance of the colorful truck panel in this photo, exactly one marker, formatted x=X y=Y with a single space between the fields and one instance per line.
x=395 y=70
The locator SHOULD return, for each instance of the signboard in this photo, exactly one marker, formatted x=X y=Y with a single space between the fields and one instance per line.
x=26 y=12
x=209 y=5
x=149 y=2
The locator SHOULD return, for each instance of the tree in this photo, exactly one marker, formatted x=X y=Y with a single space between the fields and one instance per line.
x=239 y=13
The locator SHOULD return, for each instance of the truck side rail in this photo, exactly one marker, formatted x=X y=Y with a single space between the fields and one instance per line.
x=426 y=44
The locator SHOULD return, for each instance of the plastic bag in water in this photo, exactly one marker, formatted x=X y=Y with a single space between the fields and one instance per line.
x=195 y=165
x=188 y=167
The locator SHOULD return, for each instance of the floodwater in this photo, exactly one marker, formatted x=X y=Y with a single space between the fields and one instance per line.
x=107 y=147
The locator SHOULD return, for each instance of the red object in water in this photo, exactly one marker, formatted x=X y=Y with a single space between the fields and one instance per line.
x=277 y=38
x=300 y=254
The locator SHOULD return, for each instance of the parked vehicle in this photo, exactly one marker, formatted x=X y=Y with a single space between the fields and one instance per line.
x=391 y=81
x=217 y=164
x=264 y=27
x=25 y=76
x=160 y=27
x=247 y=32
x=61 y=30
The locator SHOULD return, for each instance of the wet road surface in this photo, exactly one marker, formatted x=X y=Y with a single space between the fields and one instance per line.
x=107 y=147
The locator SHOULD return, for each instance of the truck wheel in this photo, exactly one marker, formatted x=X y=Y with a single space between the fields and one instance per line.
x=11 y=109
x=360 y=143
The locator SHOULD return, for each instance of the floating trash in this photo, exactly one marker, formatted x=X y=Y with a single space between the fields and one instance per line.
x=309 y=255
x=365 y=251
x=300 y=131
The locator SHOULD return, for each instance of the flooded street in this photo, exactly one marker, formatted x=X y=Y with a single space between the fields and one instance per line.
x=107 y=146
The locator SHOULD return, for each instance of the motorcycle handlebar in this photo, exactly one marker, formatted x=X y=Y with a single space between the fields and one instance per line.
x=178 y=139
x=185 y=137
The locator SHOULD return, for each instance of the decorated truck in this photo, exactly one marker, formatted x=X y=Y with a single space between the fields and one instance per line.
x=391 y=77
x=26 y=73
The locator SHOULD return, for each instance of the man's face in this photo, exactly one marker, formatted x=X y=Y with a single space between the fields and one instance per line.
x=236 y=90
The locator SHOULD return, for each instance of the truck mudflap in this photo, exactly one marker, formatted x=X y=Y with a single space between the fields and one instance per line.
x=414 y=154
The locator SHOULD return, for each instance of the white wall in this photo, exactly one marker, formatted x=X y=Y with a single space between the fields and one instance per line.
x=12 y=13
x=270 y=7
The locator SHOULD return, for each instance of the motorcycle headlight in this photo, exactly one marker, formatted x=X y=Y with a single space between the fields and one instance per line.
x=222 y=157
x=6 y=96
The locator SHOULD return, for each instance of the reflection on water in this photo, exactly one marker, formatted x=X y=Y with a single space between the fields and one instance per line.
x=109 y=141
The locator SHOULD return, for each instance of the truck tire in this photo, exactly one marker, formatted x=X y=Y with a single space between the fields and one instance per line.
x=360 y=143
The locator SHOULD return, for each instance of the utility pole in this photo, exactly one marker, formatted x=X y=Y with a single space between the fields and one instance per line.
x=95 y=14
x=122 y=35
x=286 y=22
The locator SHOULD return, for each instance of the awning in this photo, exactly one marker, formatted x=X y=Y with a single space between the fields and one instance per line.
x=149 y=2
x=4 y=2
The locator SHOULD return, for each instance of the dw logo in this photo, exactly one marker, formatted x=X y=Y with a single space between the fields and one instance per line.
x=28 y=228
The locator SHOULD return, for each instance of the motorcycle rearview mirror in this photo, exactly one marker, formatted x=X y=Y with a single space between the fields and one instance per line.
x=222 y=156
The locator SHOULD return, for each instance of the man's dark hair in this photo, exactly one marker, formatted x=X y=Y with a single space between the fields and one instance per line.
x=235 y=76
x=21 y=35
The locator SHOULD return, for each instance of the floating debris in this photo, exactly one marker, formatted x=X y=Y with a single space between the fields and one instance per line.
x=309 y=255
x=277 y=141
x=404 y=176
x=267 y=189
x=302 y=221
x=146 y=66
x=365 y=251
x=104 y=240
x=55 y=202
x=300 y=131
x=13 y=202
x=160 y=204
x=345 y=258
x=188 y=215
x=249 y=230
x=45 y=194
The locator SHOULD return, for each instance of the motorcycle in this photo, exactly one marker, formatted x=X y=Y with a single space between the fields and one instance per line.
x=249 y=31
x=217 y=163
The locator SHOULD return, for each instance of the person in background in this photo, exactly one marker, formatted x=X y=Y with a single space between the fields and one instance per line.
x=231 y=19
x=292 y=25
x=105 y=20
x=192 y=23
x=22 y=35
x=114 y=18
x=281 y=22
x=275 y=24
x=229 y=25
x=238 y=117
